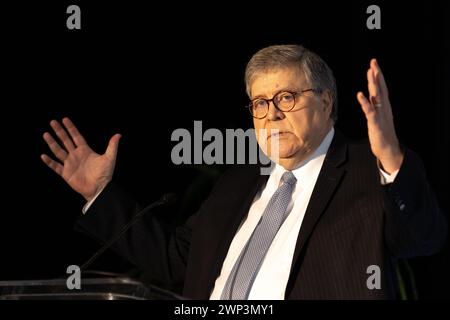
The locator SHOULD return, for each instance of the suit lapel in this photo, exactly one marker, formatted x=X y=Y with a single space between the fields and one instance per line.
x=329 y=177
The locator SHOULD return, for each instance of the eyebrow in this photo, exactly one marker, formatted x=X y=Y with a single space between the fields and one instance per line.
x=262 y=96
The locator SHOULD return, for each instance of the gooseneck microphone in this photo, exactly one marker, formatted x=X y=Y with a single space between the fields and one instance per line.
x=166 y=199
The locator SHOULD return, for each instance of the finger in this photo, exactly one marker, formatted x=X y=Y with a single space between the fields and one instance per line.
x=62 y=134
x=367 y=107
x=113 y=146
x=378 y=74
x=74 y=133
x=372 y=84
x=52 y=164
x=54 y=146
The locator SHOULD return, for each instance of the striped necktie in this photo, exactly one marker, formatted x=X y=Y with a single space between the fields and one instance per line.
x=243 y=274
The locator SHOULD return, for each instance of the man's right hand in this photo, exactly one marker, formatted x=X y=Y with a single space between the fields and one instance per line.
x=86 y=171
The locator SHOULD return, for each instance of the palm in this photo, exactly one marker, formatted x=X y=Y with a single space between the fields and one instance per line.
x=84 y=170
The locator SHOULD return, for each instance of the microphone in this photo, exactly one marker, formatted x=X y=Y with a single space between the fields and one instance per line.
x=167 y=199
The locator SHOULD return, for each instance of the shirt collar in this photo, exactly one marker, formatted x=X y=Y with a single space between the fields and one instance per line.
x=310 y=167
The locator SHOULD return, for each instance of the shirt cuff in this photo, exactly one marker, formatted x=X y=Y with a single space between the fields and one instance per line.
x=89 y=203
x=386 y=178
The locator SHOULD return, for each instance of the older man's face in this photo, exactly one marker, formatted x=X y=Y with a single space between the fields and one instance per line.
x=303 y=128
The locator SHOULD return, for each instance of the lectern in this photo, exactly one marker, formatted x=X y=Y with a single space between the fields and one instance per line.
x=91 y=289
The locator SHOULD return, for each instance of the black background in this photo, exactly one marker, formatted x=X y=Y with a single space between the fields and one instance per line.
x=146 y=69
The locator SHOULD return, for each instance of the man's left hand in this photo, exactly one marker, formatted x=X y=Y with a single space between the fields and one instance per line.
x=380 y=123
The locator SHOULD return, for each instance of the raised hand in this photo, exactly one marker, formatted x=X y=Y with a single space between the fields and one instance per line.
x=84 y=170
x=380 y=123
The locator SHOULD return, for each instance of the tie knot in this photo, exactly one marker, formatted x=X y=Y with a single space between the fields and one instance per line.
x=288 y=177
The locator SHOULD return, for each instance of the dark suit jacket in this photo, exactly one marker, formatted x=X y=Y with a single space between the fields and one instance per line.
x=351 y=223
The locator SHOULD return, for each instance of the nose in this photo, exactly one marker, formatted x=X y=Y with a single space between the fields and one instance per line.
x=274 y=113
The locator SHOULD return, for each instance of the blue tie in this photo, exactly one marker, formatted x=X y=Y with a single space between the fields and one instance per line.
x=247 y=265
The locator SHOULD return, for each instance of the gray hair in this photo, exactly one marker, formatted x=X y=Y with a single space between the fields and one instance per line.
x=315 y=70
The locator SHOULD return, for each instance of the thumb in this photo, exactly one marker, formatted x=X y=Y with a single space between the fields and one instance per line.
x=113 y=146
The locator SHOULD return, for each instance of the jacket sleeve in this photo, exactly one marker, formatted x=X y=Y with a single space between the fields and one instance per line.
x=150 y=244
x=414 y=223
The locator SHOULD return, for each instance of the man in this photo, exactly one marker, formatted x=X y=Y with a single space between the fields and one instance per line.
x=330 y=210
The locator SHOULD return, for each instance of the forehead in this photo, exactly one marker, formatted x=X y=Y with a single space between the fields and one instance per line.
x=268 y=83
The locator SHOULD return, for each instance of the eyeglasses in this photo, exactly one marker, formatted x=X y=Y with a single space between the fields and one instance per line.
x=283 y=101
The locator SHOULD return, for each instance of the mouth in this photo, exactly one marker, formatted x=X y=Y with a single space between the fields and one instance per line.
x=279 y=134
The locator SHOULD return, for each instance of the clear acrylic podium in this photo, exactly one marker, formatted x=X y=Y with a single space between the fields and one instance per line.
x=91 y=289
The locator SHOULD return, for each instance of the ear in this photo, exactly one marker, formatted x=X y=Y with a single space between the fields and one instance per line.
x=327 y=101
